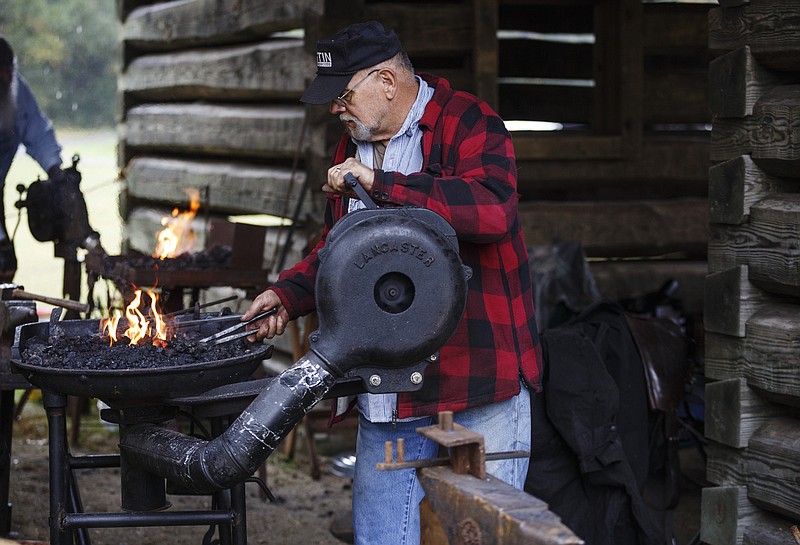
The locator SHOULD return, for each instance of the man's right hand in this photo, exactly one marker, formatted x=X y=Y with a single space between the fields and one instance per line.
x=274 y=324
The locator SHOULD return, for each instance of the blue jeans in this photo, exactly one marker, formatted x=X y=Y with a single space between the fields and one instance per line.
x=386 y=503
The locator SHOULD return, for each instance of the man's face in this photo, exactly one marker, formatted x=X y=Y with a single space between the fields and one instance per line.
x=6 y=75
x=364 y=109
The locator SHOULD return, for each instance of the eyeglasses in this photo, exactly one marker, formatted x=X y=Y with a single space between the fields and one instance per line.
x=342 y=99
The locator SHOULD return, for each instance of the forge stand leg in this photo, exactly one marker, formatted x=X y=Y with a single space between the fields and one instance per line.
x=56 y=407
x=63 y=491
x=6 y=431
x=233 y=499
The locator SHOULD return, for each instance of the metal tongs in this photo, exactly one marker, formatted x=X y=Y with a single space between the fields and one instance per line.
x=230 y=334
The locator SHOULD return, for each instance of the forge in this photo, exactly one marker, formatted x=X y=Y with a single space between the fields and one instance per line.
x=382 y=321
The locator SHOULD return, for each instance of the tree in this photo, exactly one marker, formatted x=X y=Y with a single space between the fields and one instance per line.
x=66 y=50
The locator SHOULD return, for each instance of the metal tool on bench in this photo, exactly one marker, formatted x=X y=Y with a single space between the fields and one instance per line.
x=15 y=291
x=232 y=333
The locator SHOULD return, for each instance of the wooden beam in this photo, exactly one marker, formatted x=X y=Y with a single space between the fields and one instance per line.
x=675 y=28
x=665 y=168
x=630 y=278
x=767 y=134
x=776 y=531
x=725 y=466
x=772 y=260
x=618 y=72
x=485 y=50
x=675 y=97
x=730 y=138
x=725 y=515
x=734 y=186
x=229 y=131
x=276 y=69
x=774 y=264
x=737 y=81
x=772 y=350
x=567 y=146
x=239 y=188
x=777 y=149
x=618 y=228
x=734 y=412
x=724 y=355
x=187 y=23
x=730 y=300
x=419 y=26
x=767 y=26
x=773 y=459
x=491 y=508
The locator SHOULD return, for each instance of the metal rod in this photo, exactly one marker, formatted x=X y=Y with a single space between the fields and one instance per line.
x=94 y=461
x=204 y=305
x=444 y=461
x=124 y=520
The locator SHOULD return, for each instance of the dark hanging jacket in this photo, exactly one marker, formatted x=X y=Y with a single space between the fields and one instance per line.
x=590 y=444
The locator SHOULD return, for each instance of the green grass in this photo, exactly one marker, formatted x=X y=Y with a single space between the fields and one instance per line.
x=39 y=271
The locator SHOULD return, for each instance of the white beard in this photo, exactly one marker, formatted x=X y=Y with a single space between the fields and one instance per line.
x=8 y=107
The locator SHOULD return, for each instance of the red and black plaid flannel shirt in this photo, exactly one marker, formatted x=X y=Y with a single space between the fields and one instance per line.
x=469 y=178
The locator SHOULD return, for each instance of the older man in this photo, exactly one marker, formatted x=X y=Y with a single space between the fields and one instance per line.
x=21 y=122
x=411 y=140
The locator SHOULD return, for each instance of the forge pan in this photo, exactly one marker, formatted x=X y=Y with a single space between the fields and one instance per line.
x=122 y=386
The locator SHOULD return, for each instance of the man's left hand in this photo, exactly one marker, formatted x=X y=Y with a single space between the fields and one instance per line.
x=336 y=183
x=56 y=174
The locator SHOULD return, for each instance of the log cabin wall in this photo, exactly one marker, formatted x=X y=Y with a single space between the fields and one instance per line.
x=752 y=315
x=209 y=100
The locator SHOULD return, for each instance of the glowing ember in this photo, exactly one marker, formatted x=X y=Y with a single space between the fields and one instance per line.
x=140 y=328
x=178 y=237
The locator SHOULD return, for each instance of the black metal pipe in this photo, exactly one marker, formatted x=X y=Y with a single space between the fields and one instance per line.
x=206 y=466
x=159 y=518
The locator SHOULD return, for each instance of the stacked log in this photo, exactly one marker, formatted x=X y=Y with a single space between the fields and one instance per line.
x=209 y=94
x=752 y=316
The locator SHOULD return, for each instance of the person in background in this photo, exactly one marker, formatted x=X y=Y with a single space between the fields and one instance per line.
x=21 y=122
x=411 y=140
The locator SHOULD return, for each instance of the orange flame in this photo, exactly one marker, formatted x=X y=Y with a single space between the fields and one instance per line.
x=139 y=327
x=178 y=237
x=108 y=326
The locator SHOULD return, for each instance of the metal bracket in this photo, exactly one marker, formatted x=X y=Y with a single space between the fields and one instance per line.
x=467 y=454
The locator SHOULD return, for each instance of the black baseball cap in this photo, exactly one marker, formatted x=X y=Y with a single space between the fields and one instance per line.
x=354 y=48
